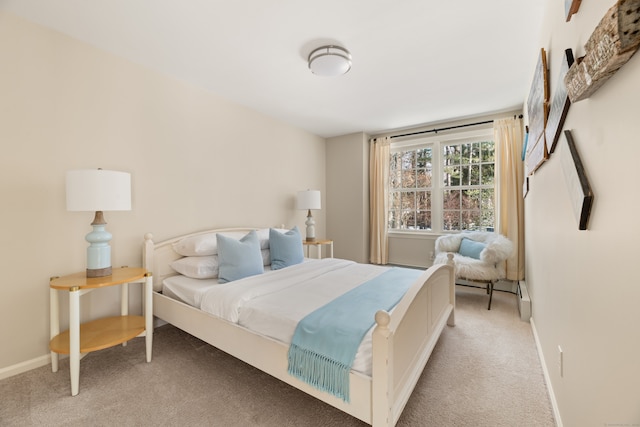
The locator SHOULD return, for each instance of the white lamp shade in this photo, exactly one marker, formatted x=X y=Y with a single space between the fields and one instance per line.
x=98 y=190
x=309 y=199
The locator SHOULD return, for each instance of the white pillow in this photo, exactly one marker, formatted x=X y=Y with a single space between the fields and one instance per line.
x=197 y=267
x=206 y=244
x=202 y=244
x=266 y=256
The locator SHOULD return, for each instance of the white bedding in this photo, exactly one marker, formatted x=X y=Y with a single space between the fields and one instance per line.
x=274 y=302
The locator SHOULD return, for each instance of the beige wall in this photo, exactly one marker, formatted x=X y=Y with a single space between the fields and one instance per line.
x=583 y=284
x=348 y=196
x=197 y=161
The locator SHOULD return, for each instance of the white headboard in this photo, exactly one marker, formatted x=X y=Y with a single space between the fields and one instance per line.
x=157 y=257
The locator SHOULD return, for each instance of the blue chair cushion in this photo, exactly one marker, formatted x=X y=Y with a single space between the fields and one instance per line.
x=471 y=248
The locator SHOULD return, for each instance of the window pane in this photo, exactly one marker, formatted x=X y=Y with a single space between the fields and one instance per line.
x=466 y=174
x=395 y=180
x=451 y=155
x=394 y=219
x=408 y=220
x=475 y=152
x=466 y=153
x=424 y=220
x=409 y=160
x=408 y=178
x=423 y=200
x=424 y=157
x=488 y=171
x=451 y=199
x=424 y=178
x=408 y=200
x=474 y=178
x=452 y=176
x=488 y=152
x=394 y=200
x=451 y=220
x=487 y=221
x=395 y=161
x=470 y=199
x=471 y=220
x=487 y=197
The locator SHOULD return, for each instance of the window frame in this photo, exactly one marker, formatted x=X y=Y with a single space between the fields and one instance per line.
x=437 y=142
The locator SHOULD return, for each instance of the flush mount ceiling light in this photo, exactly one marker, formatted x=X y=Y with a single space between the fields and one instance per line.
x=329 y=61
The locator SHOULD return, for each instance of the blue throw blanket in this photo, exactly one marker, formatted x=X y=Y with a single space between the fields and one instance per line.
x=325 y=342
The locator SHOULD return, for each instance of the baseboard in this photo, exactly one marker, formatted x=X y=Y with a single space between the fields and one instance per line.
x=524 y=302
x=547 y=378
x=25 y=366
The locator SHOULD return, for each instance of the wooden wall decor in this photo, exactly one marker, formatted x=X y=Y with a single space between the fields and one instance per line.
x=612 y=43
x=571 y=7
x=577 y=182
x=538 y=107
x=559 y=105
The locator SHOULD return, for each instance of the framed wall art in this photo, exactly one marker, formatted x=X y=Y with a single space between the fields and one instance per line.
x=559 y=106
x=577 y=182
x=571 y=8
x=537 y=107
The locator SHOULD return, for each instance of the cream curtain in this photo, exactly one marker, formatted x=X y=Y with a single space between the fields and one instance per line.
x=378 y=199
x=508 y=136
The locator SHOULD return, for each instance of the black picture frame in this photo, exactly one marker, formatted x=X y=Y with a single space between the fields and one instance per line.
x=577 y=183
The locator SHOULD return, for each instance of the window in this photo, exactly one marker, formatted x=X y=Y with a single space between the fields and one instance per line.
x=443 y=183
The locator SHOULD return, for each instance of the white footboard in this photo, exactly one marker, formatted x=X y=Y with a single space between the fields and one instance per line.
x=404 y=340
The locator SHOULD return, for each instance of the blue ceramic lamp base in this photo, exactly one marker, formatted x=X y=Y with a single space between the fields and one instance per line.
x=99 y=251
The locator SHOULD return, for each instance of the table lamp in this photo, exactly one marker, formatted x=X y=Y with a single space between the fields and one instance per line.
x=307 y=200
x=98 y=190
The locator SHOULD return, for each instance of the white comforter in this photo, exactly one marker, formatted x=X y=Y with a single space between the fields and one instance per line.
x=273 y=303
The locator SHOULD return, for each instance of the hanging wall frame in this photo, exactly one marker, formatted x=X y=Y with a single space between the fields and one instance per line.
x=559 y=105
x=577 y=183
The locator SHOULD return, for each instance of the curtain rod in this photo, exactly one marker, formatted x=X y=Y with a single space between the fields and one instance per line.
x=447 y=128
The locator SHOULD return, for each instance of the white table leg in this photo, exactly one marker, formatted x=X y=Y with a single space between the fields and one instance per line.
x=148 y=314
x=74 y=339
x=331 y=249
x=54 y=326
x=124 y=302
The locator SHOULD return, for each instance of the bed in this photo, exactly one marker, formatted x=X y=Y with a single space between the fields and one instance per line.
x=400 y=342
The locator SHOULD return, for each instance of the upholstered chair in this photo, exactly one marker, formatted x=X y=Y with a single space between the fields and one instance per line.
x=479 y=257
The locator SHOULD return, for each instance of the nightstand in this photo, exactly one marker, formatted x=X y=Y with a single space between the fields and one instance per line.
x=318 y=243
x=101 y=333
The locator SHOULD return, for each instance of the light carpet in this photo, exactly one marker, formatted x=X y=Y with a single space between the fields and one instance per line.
x=484 y=371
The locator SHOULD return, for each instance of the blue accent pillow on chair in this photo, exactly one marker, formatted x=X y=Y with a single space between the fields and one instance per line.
x=471 y=248
x=238 y=258
x=285 y=248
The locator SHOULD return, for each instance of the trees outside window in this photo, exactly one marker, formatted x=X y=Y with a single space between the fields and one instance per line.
x=443 y=185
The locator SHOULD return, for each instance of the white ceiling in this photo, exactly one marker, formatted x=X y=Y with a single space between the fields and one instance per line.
x=414 y=61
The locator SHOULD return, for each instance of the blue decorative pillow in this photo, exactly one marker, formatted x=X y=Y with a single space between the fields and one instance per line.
x=471 y=248
x=286 y=248
x=238 y=258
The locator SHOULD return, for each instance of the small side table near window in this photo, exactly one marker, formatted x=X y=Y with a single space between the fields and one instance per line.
x=318 y=243
x=101 y=333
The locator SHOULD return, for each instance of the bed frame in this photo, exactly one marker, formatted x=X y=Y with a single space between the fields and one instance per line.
x=402 y=340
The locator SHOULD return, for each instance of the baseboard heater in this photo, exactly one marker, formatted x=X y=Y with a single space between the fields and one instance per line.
x=524 y=302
